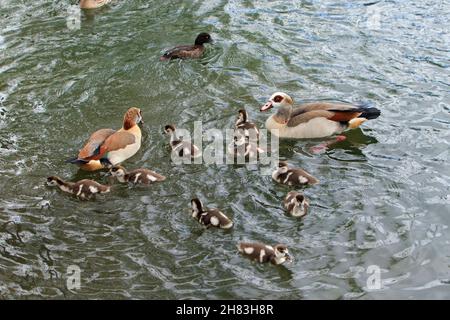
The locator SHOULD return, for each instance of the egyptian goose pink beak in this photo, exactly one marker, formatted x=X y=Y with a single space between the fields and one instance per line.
x=267 y=106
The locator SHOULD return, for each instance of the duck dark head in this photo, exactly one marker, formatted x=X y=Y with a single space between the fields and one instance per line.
x=117 y=171
x=54 y=181
x=282 y=253
x=282 y=164
x=242 y=117
x=197 y=207
x=300 y=198
x=169 y=128
x=203 y=38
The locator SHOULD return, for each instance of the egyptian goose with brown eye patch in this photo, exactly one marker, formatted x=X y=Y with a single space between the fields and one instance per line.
x=296 y=204
x=107 y=147
x=137 y=176
x=292 y=177
x=84 y=189
x=93 y=4
x=210 y=217
x=180 y=148
x=314 y=120
x=262 y=253
x=188 y=51
x=245 y=127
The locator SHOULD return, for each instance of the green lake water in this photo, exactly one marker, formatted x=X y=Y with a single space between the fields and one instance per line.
x=384 y=196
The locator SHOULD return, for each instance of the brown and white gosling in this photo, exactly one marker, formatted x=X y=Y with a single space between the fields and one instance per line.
x=84 y=189
x=262 y=253
x=245 y=127
x=243 y=149
x=293 y=176
x=296 y=204
x=182 y=149
x=210 y=217
x=137 y=176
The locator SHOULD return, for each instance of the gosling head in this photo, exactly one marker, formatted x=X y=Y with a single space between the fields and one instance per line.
x=54 y=181
x=281 y=254
x=301 y=206
x=117 y=171
x=169 y=129
x=242 y=116
x=283 y=167
x=197 y=207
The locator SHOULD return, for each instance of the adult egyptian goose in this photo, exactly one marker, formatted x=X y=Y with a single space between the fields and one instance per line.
x=93 y=4
x=314 y=120
x=188 y=51
x=296 y=204
x=136 y=176
x=107 y=147
x=210 y=217
x=263 y=253
x=292 y=176
x=84 y=189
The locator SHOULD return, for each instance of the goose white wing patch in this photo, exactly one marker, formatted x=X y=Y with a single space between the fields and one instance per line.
x=186 y=151
x=137 y=177
x=65 y=189
x=249 y=250
x=261 y=255
x=79 y=190
x=287 y=177
x=215 y=221
x=302 y=179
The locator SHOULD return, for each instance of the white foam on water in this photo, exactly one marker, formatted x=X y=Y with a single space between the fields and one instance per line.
x=38 y=107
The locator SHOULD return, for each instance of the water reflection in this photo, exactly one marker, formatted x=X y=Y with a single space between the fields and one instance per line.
x=383 y=197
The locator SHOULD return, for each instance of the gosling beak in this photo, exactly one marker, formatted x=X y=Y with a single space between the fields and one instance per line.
x=266 y=107
x=289 y=258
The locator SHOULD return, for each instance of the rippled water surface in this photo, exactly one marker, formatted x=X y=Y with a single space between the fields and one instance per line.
x=384 y=197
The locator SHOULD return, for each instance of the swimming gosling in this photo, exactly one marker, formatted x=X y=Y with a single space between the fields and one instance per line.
x=262 y=253
x=210 y=217
x=292 y=177
x=296 y=204
x=137 y=176
x=84 y=189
